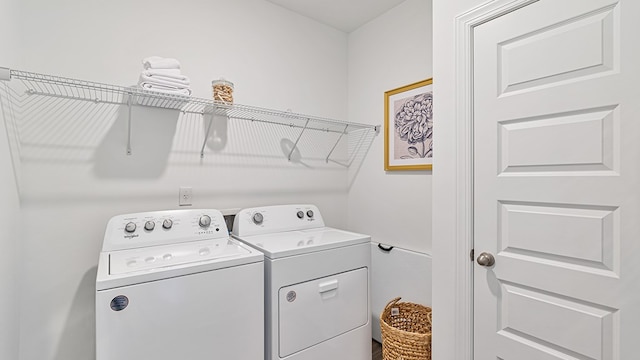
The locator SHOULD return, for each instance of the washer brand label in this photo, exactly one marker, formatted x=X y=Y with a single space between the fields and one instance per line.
x=119 y=303
x=131 y=236
x=291 y=296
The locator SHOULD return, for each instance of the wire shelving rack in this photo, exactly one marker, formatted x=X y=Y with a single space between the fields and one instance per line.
x=68 y=88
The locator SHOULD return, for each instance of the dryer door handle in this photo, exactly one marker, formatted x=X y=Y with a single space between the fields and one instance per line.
x=328 y=286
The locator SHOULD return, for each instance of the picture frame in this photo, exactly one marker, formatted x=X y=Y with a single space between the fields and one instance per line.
x=408 y=127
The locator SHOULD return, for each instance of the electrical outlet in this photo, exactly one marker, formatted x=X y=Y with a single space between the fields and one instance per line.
x=186 y=196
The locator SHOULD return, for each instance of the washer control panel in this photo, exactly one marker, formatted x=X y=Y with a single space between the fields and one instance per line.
x=278 y=218
x=163 y=227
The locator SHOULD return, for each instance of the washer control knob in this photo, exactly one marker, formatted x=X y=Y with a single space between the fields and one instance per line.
x=167 y=224
x=149 y=225
x=130 y=227
x=300 y=214
x=310 y=213
x=258 y=218
x=205 y=221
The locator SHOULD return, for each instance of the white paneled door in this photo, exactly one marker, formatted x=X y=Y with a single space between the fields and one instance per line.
x=556 y=113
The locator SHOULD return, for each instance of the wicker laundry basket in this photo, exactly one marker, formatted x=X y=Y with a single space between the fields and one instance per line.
x=406 y=331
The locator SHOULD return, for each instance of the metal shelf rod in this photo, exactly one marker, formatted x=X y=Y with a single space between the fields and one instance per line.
x=129 y=127
x=96 y=100
x=298 y=139
x=291 y=125
x=336 y=144
x=206 y=136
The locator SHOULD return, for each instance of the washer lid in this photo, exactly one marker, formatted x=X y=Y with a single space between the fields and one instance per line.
x=133 y=260
x=282 y=244
x=126 y=267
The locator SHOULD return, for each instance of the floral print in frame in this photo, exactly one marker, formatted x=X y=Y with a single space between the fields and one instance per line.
x=408 y=125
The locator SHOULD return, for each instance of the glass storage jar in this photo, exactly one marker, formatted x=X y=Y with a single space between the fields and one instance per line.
x=222 y=91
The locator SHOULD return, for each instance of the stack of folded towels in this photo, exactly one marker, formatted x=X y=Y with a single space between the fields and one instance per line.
x=163 y=75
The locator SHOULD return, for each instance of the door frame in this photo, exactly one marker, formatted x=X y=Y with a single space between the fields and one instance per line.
x=463 y=305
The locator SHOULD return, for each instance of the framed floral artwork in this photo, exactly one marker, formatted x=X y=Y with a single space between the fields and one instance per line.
x=408 y=127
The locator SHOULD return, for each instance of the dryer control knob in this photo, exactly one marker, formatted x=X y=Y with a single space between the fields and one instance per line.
x=258 y=218
x=300 y=214
x=205 y=221
x=130 y=227
x=167 y=224
x=310 y=213
x=149 y=225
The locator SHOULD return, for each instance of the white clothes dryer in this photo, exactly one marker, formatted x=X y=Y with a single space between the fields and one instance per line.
x=174 y=285
x=316 y=283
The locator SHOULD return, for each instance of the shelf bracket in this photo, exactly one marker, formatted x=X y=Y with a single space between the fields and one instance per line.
x=129 y=124
x=206 y=136
x=5 y=74
x=337 y=142
x=298 y=139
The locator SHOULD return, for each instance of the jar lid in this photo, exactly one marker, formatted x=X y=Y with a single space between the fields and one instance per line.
x=222 y=81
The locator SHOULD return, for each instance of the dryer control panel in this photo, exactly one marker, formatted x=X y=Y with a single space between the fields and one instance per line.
x=278 y=218
x=154 y=228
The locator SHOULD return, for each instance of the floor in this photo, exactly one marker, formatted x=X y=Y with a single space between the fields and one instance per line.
x=376 y=350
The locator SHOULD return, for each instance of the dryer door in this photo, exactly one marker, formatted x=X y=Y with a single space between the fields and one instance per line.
x=318 y=310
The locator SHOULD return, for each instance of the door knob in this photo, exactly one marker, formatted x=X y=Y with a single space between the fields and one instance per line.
x=486 y=259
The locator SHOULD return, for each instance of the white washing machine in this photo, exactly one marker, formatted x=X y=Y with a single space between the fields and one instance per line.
x=174 y=285
x=316 y=283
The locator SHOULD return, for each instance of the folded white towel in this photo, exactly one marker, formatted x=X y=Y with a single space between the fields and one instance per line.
x=157 y=62
x=165 y=81
x=165 y=89
x=166 y=72
x=159 y=74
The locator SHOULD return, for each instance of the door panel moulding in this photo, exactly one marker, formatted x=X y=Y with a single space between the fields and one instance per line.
x=462 y=310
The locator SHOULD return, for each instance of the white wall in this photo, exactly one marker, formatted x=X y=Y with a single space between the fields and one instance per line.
x=75 y=175
x=444 y=177
x=394 y=207
x=9 y=248
x=10 y=204
x=391 y=51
